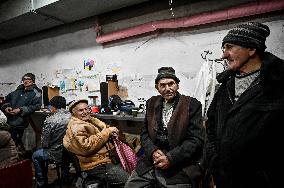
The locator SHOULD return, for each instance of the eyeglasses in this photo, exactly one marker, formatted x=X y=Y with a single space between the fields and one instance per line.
x=27 y=78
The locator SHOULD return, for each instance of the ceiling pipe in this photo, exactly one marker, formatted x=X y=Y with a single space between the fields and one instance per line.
x=249 y=9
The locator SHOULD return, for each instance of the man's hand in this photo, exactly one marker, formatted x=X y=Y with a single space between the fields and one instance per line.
x=157 y=153
x=160 y=160
x=114 y=130
x=16 y=111
x=9 y=110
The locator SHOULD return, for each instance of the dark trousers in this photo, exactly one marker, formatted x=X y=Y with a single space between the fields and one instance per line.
x=41 y=160
x=110 y=174
x=17 y=135
x=151 y=179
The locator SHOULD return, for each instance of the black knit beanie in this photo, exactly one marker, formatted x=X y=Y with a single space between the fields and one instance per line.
x=30 y=75
x=251 y=34
x=58 y=102
x=166 y=72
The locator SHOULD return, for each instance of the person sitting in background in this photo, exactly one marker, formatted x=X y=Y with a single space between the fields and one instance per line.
x=51 y=140
x=8 y=149
x=19 y=105
x=89 y=139
x=3 y=119
x=2 y=100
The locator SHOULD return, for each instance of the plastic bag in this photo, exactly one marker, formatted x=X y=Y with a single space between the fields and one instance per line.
x=126 y=154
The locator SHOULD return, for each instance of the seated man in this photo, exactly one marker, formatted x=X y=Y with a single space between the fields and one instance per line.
x=8 y=149
x=88 y=138
x=172 y=138
x=52 y=137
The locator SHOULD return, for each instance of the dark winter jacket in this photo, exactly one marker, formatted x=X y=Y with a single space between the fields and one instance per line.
x=185 y=137
x=244 y=137
x=27 y=100
x=54 y=129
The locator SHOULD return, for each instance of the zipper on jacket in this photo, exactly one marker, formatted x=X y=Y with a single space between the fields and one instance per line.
x=230 y=97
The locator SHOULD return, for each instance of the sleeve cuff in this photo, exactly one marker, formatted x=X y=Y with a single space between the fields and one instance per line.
x=169 y=157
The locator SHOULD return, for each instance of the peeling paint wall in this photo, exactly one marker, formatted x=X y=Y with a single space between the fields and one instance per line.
x=135 y=61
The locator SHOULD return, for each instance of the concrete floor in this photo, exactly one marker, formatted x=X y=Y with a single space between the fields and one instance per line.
x=54 y=182
x=52 y=175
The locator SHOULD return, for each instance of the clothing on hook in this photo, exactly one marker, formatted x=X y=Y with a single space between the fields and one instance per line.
x=206 y=84
x=205 y=53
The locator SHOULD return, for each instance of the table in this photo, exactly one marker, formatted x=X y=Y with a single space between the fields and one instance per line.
x=126 y=123
x=37 y=121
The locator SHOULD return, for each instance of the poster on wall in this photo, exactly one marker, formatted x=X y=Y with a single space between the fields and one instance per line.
x=114 y=67
x=92 y=84
x=67 y=73
x=88 y=64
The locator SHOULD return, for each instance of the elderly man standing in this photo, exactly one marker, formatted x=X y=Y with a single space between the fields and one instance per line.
x=19 y=105
x=89 y=139
x=172 y=137
x=244 y=131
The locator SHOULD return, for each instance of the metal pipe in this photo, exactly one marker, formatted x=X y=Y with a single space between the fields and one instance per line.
x=249 y=9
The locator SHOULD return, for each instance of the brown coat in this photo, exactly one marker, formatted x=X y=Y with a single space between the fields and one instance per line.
x=88 y=141
x=8 y=150
x=185 y=137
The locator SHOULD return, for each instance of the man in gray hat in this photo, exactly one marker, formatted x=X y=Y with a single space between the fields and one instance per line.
x=243 y=126
x=19 y=105
x=172 y=138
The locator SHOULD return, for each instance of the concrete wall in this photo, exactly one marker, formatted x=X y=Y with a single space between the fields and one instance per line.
x=135 y=61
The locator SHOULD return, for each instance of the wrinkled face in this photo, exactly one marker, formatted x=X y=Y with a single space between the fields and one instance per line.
x=27 y=81
x=82 y=111
x=167 y=87
x=237 y=57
